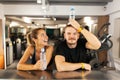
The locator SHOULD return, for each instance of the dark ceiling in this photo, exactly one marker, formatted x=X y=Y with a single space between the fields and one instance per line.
x=59 y=2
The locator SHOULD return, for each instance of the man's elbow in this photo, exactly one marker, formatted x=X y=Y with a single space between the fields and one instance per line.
x=60 y=69
x=59 y=60
x=98 y=46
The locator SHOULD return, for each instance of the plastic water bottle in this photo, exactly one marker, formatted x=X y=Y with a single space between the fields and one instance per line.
x=72 y=13
x=43 y=59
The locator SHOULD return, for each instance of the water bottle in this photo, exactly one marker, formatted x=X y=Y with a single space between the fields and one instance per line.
x=72 y=13
x=43 y=59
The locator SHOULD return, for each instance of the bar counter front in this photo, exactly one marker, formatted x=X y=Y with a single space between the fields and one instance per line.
x=54 y=75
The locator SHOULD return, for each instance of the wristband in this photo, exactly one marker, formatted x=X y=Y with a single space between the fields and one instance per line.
x=80 y=29
x=82 y=66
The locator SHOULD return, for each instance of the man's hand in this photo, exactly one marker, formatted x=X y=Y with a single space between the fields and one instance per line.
x=74 y=23
x=87 y=66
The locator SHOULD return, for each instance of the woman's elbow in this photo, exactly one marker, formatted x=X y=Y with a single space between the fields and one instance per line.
x=18 y=66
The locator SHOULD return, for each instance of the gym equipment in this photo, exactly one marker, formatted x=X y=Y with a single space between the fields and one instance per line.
x=106 y=45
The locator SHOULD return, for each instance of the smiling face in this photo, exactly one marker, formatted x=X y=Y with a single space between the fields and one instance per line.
x=40 y=38
x=71 y=35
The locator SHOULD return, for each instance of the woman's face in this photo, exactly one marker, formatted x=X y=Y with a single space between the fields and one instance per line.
x=42 y=38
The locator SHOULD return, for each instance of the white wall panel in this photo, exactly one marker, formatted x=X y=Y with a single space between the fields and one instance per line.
x=53 y=10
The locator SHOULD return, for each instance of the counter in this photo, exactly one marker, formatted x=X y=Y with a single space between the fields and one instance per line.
x=50 y=75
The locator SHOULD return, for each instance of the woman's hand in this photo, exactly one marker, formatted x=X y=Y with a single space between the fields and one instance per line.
x=38 y=65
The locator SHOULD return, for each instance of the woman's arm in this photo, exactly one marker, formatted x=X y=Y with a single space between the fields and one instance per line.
x=93 y=42
x=22 y=63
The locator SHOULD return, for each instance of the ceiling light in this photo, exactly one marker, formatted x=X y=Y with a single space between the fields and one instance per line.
x=54 y=19
x=39 y=1
x=52 y=26
x=42 y=18
x=13 y=23
x=27 y=20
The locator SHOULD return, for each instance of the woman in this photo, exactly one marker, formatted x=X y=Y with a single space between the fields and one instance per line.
x=38 y=40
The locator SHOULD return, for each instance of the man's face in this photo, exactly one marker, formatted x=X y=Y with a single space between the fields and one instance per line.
x=71 y=35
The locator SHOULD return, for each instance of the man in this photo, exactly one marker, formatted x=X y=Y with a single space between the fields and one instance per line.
x=71 y=53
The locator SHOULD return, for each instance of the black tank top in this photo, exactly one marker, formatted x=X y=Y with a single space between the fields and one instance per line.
x=33 y=57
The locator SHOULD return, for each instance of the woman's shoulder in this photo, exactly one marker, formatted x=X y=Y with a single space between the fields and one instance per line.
x=49 y=47
x=30 y=49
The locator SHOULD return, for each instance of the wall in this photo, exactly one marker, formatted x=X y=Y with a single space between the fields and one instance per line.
x=1 y=11
x=116 y=39
x=113 y=10
x=113 y=7
x=53 y=10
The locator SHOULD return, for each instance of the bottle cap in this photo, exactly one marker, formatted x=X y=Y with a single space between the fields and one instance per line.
x=42 y=50
x=72 y=8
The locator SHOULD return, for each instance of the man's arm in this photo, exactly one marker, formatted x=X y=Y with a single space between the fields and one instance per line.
x=66 y=66
x=92 y=41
